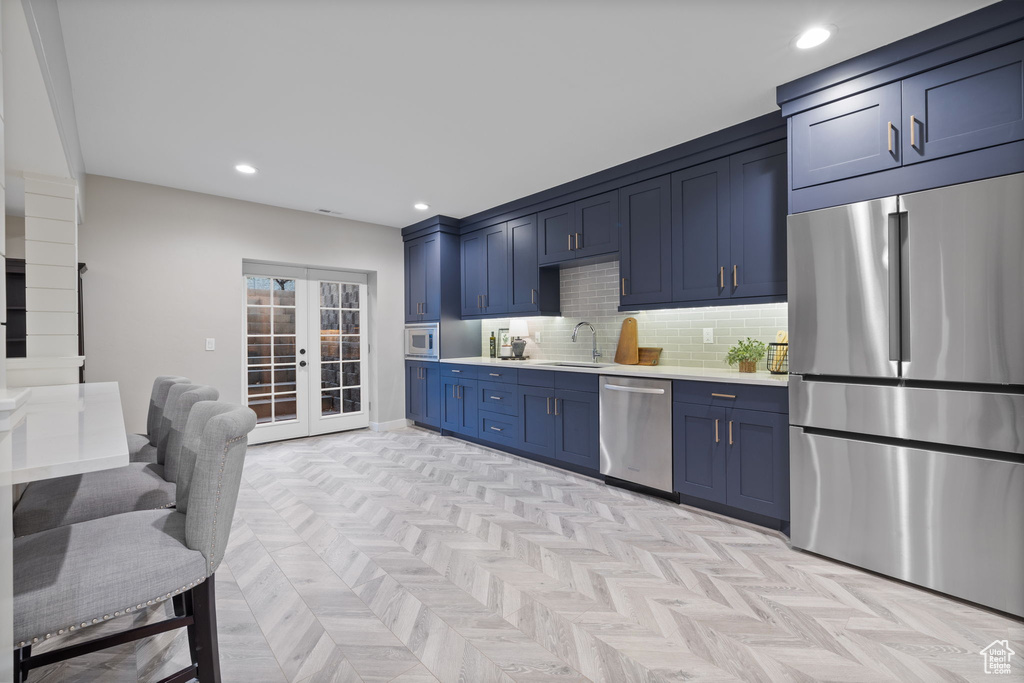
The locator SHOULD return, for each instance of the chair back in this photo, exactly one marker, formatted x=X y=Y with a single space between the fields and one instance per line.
x=210 y=473
x=157 y=400
x=180 y=400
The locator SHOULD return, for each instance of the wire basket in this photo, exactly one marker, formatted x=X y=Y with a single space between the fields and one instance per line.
x=778 y=358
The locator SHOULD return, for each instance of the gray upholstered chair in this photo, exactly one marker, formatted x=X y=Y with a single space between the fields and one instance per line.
x=138 y=486
x=142 y=447
x=70 y=577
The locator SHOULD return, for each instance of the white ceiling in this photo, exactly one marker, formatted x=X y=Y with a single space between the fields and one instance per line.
x=30 y=129
x=365 y=107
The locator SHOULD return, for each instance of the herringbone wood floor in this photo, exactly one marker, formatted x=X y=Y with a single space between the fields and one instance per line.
x=410 y=557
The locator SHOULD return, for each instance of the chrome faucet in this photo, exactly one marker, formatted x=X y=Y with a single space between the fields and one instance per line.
x=575 y=331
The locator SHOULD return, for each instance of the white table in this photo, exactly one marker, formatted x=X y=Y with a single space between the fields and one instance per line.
x=68 y=429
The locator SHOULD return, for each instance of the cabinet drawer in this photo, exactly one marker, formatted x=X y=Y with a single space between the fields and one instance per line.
x=498 y=398
x=449 y=371
x=728 y=395
x=488 y=373
x=500 y=429
x=537 y=378
x=576 y=381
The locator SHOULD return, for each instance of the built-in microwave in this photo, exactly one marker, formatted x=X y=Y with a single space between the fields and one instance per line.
x=421 y=341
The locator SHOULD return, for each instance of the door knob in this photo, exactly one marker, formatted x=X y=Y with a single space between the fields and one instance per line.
x=302 y=363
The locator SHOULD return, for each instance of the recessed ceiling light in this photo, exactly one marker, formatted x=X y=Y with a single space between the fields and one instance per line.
x=246 y=169
x=813 y=37
x=420 y=206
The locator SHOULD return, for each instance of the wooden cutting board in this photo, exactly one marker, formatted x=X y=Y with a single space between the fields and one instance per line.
x=627 y=352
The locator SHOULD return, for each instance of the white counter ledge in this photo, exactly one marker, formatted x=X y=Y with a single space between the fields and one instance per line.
x=725 y=374
x=68 y=429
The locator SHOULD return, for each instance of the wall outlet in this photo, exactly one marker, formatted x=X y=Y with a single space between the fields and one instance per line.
x=709 y=335
x=211 y=343
x=536 y=337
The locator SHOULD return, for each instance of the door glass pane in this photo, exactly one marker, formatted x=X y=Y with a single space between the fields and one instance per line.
x=340 y=382
x=270 y=347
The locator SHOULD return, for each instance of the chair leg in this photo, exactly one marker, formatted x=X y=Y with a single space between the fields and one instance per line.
x=203 y=632
x=178 y=601
x=20 y=655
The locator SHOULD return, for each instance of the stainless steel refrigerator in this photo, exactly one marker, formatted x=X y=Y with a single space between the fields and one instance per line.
x=907 y=390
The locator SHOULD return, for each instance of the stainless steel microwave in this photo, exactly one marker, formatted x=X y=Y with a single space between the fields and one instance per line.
x=421 y=341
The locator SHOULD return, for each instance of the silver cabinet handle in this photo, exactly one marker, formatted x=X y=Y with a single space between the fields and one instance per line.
x=494 y=374
x=549 y=404
x=456 y=370
x=495 y=398
x=633 y=390
x=497 y=429
x=723 y=395
x=533 y=295
x=716 y=430
x=556 y=406
x=730 y=432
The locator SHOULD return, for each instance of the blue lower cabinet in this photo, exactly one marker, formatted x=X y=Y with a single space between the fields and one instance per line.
x=499 y=429
x=537 y=420
x=758 y=462
x=698 y=455
x=497 y=398
x=459 y=406
x=577 y=432
x=423 y=393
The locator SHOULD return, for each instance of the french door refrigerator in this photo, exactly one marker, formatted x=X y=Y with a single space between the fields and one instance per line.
x=907 y=389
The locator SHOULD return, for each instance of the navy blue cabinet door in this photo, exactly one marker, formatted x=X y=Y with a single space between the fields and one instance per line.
x=758 y=462
x=850 y=137
x=577 y=432
x=415 y=396
x=415 y=279
x=495 y=279
x=700 y=231
x=458 y=406
x=524 y=270
x=473 y=257
x=970 y=104
x=537 y=420
x=431 y=394
x=645 y=262
x=556 y=228
x=757 y=242
x=597 y=225
x=698 y=462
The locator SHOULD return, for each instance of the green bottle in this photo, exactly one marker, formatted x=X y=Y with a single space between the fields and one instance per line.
x=494 y=345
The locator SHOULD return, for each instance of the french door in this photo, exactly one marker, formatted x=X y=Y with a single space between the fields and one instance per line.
x=305 y=361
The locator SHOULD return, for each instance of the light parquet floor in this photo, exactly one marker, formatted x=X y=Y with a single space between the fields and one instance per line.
x=413 y=558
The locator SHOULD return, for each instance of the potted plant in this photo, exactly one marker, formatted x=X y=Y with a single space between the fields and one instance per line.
x=747 y=353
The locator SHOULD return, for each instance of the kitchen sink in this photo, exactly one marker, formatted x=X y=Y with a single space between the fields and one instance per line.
x=579 y=365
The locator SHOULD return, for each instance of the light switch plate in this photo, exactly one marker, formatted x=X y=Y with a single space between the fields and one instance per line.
x=211 y=343
x=709 y=335
x=536 y=337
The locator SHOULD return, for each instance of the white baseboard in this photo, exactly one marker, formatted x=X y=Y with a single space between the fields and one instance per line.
x=389 y=426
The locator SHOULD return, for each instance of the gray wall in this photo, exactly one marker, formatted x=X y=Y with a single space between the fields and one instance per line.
x=591 y=293
x=165 y=272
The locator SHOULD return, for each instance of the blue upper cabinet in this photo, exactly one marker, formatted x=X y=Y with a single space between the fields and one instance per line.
x=757 y=238
x=850 y=137
x=531 y=289
x=700 y=231
x=423 y=279
x=645 y=256
x=484 y=258
x=589 y=227
x=556 y=228
x=596 y=225
x=971 y=104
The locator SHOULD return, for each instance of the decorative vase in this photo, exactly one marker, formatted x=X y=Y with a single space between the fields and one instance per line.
x=518 y=346
x=748 y=366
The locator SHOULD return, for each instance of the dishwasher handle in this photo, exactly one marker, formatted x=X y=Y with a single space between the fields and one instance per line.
x=633 y=390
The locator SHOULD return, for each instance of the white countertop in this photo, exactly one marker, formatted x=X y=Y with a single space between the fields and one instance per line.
x=724 y=374
x=68 y=429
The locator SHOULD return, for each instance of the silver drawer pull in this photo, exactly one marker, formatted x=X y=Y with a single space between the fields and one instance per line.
x=494 y=374
x=633 y=390
x=497 y=429
x=724 y=395
x=456 y=370
x=495 y=398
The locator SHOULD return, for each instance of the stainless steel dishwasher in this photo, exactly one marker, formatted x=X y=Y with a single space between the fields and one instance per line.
x=636 y=430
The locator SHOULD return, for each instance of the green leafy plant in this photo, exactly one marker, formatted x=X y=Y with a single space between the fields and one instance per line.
x=749 y=350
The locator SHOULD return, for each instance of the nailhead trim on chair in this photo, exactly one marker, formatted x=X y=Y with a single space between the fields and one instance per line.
x=106 y=617
x=216 y=509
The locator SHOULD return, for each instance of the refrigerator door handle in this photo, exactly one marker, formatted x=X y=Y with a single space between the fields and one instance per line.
x=899 y=334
